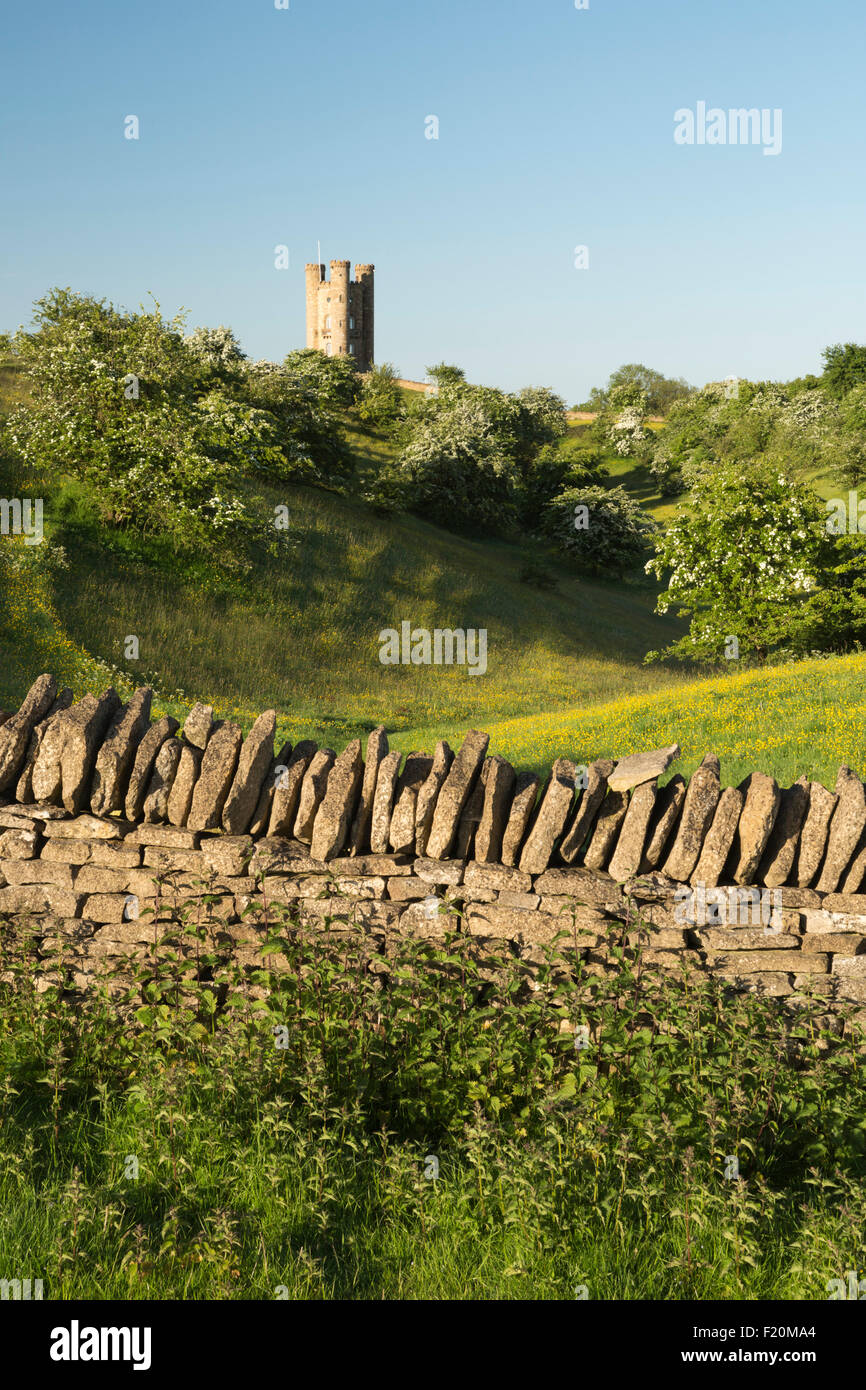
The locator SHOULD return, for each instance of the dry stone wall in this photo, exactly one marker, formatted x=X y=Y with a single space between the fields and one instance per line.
x=108 y=818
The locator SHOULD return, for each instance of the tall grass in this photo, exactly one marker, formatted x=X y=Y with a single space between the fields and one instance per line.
x=413 y=1121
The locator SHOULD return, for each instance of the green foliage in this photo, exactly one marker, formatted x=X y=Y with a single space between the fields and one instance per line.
x=749 y=557
x=114 y=402
x=844 y=367
x=285 y=1120
x=602 y=529
x=446 y=375
x=851 y=447
x=309 y=416
x=381 y=400
x=797 y=430
x=334 y=381
x=470 y=457
x=633 y=381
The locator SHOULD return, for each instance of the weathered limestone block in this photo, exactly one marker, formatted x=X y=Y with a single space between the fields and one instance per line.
x=255 y=758
x=377 y=749
x=853 y=903
x=669 y=804
x=752 y=962
x=165 y=836
x=719 y=839
x=92 y=878
x=334 y=817
x=313 y=789
x=587 y=809
x=848 y=974
x=494 y=919
x=116 y=907
x=581 y=885
x=813 y=836
x=111 y=854
x=427 y=919
x=367 y=866
x=470 y=817
x=353 y=886
x=215 y=778
x=429 y=793
x=143 y=765
x=642 y=767
x=401 y=834
x=701 y=800
x=745 y=939
x=227 y=854
x=114 y=760
x=287 y=791
x=46 y=779
x=843 y=943
x=851 y=987
x=155 y=805
x=498 y=795
x=657 y=938
x=85 y=731
x=527 y=902
x=628 y=853
x=551 y=819
x=433 y=871
x=40 y=897
x=383 y=801
x=262 y=814
x=772 y=982
x=778 y=857
x=18 y=871
x=276 y=854
x=68 y=851
x=198 y=726
x=757 y=818
x=163 y=860
x=607 y=827
x=454 y=793
x=493 y=876
x=19 y=844
x=846 y=827
x=85 y=827
x=849 y=965
x=798 y=897
x=183 y=786
x=520 y=813
x=852 y=877
x=24 y=787
x=407 y=889
x=16 y=818
x=15 y=732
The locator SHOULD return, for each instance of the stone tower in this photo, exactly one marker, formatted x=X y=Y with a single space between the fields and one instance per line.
x=340 y=312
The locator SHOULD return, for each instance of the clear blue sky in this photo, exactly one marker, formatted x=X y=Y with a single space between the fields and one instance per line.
x=261 y=126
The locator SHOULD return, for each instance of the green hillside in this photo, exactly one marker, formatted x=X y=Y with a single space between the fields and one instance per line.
x=300 y=632
x=296 y=625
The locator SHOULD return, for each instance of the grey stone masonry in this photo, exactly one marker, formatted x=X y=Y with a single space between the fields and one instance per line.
x=757 y=885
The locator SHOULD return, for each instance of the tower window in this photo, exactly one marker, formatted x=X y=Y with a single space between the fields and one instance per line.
x=351 y=323
x=328 y=321
x=351 y=349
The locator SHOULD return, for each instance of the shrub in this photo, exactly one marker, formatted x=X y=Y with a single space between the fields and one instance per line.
x=603 y=529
